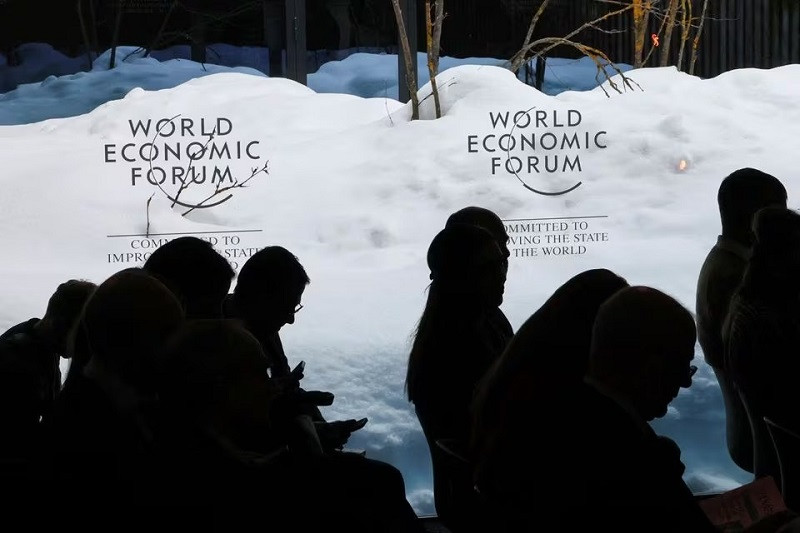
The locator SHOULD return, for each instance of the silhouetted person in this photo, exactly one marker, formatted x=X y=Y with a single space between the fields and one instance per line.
x=762 y=334
x=740 y=196
x=619 y=474
x=220 y=450
x=267 y=296
x=102 y=444
x=196 y=273
x=488 y=220
x=216 y=452
x=456 y=342
x=30 y=379
x=522 y=394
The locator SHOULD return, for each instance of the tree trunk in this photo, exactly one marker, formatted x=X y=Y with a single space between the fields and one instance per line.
x=411 y=76
x=433 y=39
x=686 y=26
x=672 y=12
x=696 y=43
x=639 y=30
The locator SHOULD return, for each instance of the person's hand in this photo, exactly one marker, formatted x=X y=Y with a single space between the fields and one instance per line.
x=313 y=397
x=287 y=405
x=297 y=372
x=334 y=435
x=286 y=385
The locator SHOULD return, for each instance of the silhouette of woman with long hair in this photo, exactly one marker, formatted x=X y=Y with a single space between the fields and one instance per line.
x=541 y=369
x=455 y=343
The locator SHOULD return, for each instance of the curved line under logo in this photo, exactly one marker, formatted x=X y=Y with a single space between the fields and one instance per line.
x=537 y=191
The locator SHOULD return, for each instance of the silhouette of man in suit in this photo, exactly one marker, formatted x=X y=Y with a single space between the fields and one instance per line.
x=624 y=475
x=740 y=196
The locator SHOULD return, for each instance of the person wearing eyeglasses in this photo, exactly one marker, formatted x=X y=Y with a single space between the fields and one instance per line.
x=266 y=298
x=622 y=474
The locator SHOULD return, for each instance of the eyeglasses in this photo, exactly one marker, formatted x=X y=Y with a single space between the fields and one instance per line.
x=300 y=306
x=692 y=370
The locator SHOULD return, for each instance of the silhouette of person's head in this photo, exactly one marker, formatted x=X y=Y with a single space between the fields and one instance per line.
x=741 y=195
x=642 y=347
x=555 y=341
x=129 y=316
x=214 y=374
x=63 y=312
x=269 y=289
x=196 y=273
x=774 y=268
x=468 y=276
x=466 y=264
x=548 y=355
x=484 y=218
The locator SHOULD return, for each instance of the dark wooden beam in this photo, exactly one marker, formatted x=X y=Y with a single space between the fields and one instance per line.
x=274 y=28
x=296 y=60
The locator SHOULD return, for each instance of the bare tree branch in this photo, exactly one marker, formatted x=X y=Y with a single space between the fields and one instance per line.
x=686 y=26
x=150 y=154
x=192 y=159
x=640 y=16
x=696 y=43
x=438 y=23
x=161 y=29
x=235 y=185
x=652 y=47
x=519 y=59
x=669 y=30
x=147 y=208
x=449 y=83
x=557 y=41
x=599 y=57
x=411 y=76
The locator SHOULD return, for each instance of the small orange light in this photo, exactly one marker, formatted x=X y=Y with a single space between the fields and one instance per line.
x=682 y=165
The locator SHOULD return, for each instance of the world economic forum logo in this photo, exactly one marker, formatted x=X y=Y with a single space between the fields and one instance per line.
x=195 y=163
x=540 y=148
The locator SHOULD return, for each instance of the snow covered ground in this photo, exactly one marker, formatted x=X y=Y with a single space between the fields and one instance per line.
x=44 y=83
x=356 y=190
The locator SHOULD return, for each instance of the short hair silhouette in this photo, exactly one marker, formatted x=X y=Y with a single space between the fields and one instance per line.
x=773 y=268
x=642 y=344
x=742 y=193
x=272 y=271
x=66 y=303
x=775 y=228
x=64 y=310
x=204 y=359
x=198 y=275
x=635 y=325
x=127 y=319
x=484 y=218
